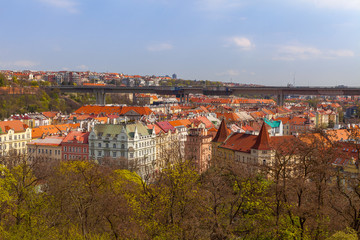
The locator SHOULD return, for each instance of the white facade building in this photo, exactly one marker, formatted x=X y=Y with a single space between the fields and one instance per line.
x=130 y=144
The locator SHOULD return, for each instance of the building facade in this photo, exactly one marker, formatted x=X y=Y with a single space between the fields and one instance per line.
x=14 y=136
x=132 y=144
x=198 y=148
x=47 y=148
x=75 y=146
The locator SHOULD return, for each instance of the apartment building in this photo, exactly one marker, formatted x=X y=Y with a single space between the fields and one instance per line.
x=132 y=144
x=14 y=135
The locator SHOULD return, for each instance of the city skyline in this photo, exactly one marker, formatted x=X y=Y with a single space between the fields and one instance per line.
x=271 y=43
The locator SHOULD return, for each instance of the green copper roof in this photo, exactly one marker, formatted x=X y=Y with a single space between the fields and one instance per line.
x=112 y=130
x=273 y=124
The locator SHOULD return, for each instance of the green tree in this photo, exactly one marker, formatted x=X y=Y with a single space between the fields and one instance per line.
x=3 y=80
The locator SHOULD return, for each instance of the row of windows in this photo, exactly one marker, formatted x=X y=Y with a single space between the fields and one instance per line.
x=75 y=149
x=44 y=151
x=16 y=137
x=114 y=154
x=74 y=156
x=107 y=145
x=15 y=145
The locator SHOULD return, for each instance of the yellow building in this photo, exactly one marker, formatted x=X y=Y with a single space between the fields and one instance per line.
x=14 y=135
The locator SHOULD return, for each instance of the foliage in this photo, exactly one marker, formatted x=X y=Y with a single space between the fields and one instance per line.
x=84 y=200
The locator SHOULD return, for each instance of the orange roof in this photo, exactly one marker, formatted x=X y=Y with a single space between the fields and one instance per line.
x=79 y=136
x=16 y=125
x=49 y=129
x=36 y=132
x=49 y=114
x=233 y=117
x=102 y=119
x=338 y=135
x=112 y=110
x=182 y=122
x=157 y=128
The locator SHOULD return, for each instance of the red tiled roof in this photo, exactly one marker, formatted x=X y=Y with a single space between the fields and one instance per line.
x=222 y=133
x=263 y=140
x=165 y=126
x=17 y=125
x=49 y=114
x=79 y=136
x=156 y=128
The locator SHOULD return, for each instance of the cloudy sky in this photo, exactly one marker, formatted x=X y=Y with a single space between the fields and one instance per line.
x=270 y=42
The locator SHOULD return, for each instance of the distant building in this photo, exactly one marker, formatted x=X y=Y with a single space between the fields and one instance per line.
x=174 y=76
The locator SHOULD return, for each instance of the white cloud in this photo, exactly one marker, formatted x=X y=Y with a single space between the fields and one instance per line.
x=240 y=42
x=159 y=47
x=19 y=64
x=341 y=53
x=298 y=52
x=230 y=72
x=83 y=67
x=216 y=5
x=68 y=5
x=335 y=4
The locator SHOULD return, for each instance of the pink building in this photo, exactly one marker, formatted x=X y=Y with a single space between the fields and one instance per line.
x=198 y=148
x=75 y=146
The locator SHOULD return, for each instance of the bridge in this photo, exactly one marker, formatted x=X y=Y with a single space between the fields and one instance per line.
x=184 y=92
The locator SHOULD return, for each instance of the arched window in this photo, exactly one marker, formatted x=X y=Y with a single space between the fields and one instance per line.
x=122 y=146
x=114 y=145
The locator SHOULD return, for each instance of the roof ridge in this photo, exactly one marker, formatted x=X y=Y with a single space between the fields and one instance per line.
x=263 y=139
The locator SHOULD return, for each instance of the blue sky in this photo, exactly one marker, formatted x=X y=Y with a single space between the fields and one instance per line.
x=245 y=41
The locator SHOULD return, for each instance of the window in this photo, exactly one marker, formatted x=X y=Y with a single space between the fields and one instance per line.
x=131 y=155
x=99 y=145
x=99 y=153
x=114 y=145
x=92 y=152
x=46 y=151
x=84 y=150
x=122 y=154
x=64 y=156
x=107 y=145
x=65 y=149
x=114 y=154
x=122 y=146
x=50 y=151
x=15 y=137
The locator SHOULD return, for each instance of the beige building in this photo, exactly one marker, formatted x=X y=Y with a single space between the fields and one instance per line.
x=14 y=135
x=48 y=148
